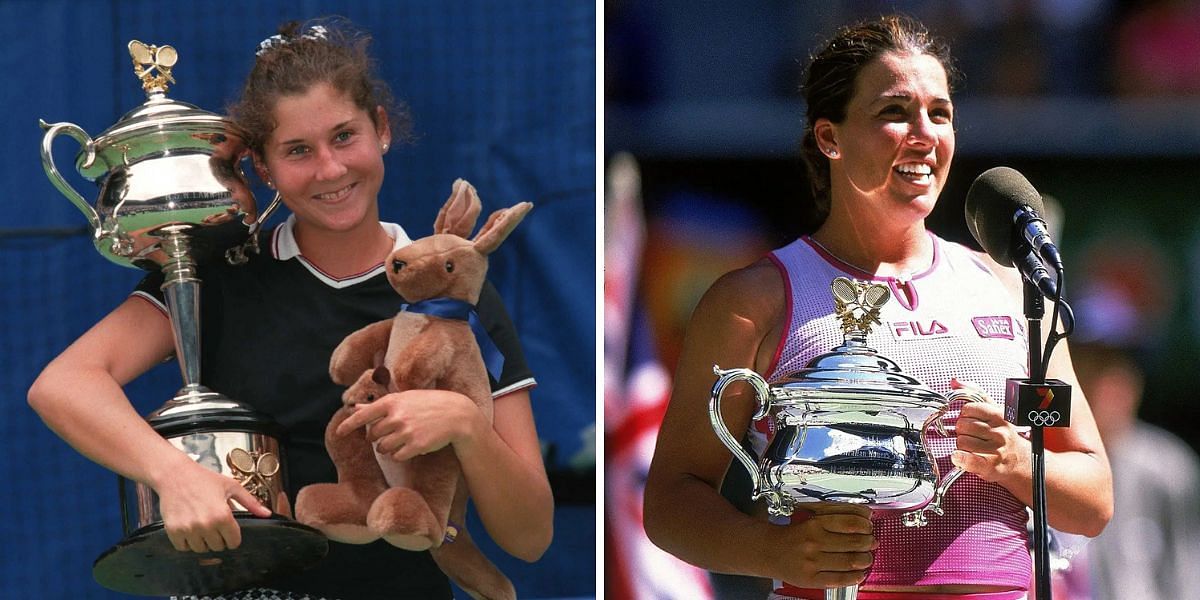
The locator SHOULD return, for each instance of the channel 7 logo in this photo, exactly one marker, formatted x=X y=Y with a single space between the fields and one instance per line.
x=1037 y=405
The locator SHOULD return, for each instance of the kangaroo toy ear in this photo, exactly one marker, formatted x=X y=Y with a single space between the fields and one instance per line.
x=382 y=376
x=499 y=225
x=461 y=210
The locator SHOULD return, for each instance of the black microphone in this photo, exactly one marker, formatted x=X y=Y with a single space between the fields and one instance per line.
x=1004 y=214
x=1001 y=202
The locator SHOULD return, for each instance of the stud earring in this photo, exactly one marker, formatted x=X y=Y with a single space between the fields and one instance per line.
x=384 y=147
x=270 y=184
x=832 y=152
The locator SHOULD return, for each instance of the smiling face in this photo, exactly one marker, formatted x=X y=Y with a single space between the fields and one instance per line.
x=892 y=153
x=325 y=158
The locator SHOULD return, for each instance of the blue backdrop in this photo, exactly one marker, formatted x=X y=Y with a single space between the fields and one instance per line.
x=502 y=94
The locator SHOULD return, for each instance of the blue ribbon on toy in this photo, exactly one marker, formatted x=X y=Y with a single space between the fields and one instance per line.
x=450 y=308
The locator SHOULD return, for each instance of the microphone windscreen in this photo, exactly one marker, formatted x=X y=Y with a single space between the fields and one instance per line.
x=993 y=200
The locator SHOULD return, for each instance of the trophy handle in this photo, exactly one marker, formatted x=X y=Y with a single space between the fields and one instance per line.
x=763 y=395
x=266 y=213
x=919 y=517
x=238 y=255
x=65 y=188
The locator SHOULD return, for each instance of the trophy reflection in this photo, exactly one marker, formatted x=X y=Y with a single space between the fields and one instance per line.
x=172 y=196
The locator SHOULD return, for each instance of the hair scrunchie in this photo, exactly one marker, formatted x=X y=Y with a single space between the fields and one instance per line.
x=316 y=32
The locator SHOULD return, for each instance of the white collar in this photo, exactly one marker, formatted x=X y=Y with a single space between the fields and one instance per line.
x=284 y=247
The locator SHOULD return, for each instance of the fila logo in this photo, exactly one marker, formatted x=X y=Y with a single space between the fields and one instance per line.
x=993 y=327
x=917 y=329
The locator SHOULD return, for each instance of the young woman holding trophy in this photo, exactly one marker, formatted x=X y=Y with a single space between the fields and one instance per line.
x=879 y=142
x=318 y=122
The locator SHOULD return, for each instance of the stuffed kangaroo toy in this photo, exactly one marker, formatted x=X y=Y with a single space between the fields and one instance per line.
x=361 y=481
x=408 y=503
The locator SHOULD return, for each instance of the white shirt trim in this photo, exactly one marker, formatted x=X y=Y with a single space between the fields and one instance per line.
x=151 y=299
x=528 y=382
x=284 y=247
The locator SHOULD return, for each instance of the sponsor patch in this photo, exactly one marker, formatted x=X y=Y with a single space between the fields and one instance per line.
x=994 y=327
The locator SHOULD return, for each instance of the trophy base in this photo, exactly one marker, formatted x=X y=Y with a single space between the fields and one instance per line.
x=146 y=564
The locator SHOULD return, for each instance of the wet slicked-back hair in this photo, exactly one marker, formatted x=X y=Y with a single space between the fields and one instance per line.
x=829 y=81
x=302 y=59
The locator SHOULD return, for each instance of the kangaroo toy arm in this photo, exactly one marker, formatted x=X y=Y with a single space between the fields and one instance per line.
x=445 y=357
x=419 y=361
x=359 y=351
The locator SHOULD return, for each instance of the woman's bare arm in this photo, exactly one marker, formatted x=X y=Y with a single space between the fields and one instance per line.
x=79 y=395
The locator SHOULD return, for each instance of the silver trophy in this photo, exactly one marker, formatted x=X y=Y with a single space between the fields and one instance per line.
x=849 y=427
x=173 y=195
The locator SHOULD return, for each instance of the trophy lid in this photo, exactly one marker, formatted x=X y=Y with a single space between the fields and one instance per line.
x=854 y=369
x=160 y=125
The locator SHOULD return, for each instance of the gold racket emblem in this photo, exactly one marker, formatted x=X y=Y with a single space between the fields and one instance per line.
x=256 y=472
x=152 y=64
x=857 y=304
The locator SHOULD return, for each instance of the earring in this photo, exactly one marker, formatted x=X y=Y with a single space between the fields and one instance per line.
x=384 y=147
x=270 y=184
x=832 y=152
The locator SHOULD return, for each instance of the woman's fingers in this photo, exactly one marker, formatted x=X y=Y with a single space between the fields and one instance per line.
x=849 y=542
x=841 y=525
x=214 y=540
x=249 y=501
x=211 y=536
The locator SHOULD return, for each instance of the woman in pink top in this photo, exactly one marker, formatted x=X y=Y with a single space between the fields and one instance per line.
x=879 y=142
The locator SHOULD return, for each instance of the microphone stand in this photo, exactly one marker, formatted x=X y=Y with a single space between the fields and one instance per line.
x=1035 y=309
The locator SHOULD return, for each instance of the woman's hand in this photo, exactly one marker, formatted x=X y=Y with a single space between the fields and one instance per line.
x=411 y=423
x=832 y=548
x=988 y=445
x=196 y=510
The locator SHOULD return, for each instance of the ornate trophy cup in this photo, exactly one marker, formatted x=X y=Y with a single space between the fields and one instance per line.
x=849 y=427
x=172 y=195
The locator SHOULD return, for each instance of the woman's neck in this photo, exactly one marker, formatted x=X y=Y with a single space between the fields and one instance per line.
x=876 y=248
x=344 y=253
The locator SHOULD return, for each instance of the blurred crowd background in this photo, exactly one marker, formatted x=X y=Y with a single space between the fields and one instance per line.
x=1097 y=102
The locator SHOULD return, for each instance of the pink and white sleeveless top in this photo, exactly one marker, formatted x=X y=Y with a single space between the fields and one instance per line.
x=955 y=320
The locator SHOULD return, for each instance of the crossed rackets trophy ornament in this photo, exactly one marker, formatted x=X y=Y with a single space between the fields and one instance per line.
x=172 y=196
